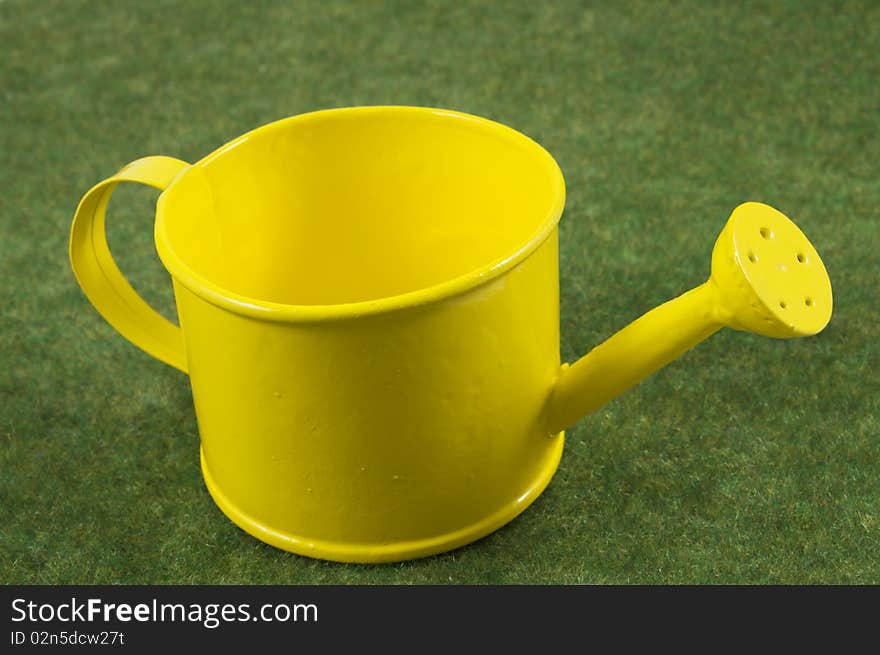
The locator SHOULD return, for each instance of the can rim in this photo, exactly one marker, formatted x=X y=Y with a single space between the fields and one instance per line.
x=268 y=310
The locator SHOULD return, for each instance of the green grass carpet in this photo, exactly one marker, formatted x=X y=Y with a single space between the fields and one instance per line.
x=749 y=460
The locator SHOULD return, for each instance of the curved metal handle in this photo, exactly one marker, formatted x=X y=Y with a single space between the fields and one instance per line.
x=99 y=276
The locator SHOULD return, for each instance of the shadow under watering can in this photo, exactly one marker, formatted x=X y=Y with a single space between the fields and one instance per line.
x=369 y=316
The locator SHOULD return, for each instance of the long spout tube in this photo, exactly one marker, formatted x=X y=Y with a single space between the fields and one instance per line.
x=767 y=278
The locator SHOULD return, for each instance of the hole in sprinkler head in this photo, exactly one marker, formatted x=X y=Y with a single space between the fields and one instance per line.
x=808 y=301
x=782 y=304
x=752 y=257
x=766 y=233
x=801 y=257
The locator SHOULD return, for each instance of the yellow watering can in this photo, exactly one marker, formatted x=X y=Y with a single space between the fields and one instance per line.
x=369 y=315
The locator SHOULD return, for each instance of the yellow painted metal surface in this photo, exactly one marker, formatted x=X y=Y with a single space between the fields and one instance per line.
x=766 y=278
x=368 y=305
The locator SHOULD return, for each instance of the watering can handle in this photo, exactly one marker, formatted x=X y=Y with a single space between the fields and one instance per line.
x=99 y=276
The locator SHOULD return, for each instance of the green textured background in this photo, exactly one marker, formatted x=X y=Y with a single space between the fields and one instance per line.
x=750 y=460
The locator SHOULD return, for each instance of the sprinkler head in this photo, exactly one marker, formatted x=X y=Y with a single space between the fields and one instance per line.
x=770 y=278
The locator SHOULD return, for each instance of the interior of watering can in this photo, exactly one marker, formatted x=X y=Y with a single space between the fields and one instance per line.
x=346 y=206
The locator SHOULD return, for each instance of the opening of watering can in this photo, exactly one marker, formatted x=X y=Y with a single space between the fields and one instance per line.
x=342 y=208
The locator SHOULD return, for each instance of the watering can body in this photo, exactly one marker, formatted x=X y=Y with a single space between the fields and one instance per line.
x=380 y=437
x=368 y=304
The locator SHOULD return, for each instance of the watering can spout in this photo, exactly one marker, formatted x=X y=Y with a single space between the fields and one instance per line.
x=766 y=278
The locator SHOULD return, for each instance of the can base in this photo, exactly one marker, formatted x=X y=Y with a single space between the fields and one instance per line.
x=393 y=552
